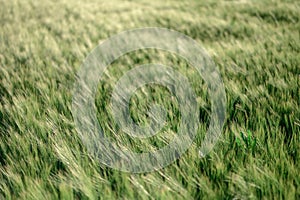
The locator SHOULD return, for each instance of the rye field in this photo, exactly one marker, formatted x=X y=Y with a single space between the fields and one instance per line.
x=255 y=44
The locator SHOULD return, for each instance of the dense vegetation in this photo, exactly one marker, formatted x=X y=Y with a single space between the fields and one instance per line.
x=255 y=44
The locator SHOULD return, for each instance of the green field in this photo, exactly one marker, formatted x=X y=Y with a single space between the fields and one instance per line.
x=255 y=45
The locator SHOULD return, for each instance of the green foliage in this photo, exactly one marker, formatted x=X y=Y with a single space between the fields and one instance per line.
x=255 y=44
x=247 y=142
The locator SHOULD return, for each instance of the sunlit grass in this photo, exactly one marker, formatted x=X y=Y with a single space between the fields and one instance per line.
x=255 y=44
